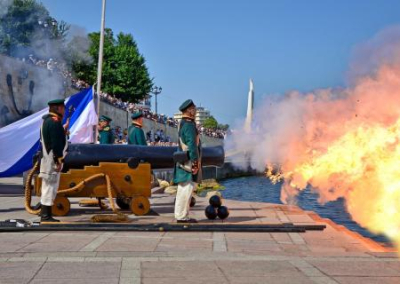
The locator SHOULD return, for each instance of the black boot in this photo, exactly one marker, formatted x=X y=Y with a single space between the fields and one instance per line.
x=46 y=215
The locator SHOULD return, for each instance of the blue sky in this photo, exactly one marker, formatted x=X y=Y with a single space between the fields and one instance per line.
x=207 y=50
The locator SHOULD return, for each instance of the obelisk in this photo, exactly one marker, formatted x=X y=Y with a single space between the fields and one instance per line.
x=250 y=105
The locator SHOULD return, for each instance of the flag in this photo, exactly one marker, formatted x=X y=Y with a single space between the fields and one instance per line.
x=20 y=140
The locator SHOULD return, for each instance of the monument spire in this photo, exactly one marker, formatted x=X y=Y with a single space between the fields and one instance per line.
x=250 y=105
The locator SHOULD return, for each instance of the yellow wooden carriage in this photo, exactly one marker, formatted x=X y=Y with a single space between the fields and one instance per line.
x=130 y=186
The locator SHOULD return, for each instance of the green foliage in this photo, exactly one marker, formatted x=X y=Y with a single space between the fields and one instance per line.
x=27 y=26
x=223 y=126
x=124 y=70
x=210 y=122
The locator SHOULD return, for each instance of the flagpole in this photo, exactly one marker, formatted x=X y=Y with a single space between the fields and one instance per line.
x=100 y=62
x=96 y=102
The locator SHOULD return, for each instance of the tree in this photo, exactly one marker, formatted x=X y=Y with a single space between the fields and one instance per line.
x=26 y=27
x=124 y=70
x=211 y=123
x=223 y=127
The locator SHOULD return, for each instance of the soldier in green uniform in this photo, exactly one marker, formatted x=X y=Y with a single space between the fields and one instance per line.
x=135 y=131
x=54 y=148
x=105 y=134
x=188 y=174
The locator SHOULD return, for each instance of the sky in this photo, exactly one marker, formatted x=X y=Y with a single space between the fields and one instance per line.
x=208 y=50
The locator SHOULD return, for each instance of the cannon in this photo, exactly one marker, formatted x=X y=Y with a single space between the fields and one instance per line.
x=118 y=171
x=81 y=155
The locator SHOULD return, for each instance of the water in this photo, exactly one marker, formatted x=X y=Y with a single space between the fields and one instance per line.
x=260 y=189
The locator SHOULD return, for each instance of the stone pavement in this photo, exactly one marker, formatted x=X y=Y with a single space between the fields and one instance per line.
x=334 y=255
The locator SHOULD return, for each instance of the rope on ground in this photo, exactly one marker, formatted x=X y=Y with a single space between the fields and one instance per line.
x=119 y=217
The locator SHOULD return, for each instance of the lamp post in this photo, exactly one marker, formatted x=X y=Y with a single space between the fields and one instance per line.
x=156 y=90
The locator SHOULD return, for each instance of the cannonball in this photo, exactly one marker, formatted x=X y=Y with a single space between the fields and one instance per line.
x=211 y=212
x=223 y=212
x=215 y=201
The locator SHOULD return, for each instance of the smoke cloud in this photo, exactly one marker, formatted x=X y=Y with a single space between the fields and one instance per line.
x=4 y=5
x=343 y=142
x=287 y=129
x=78 y=44
x=25 y=85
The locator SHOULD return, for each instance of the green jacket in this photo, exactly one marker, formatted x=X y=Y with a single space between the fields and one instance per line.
x=136 y=135
x=189 y=136
x=54 y=135
x=106 y=136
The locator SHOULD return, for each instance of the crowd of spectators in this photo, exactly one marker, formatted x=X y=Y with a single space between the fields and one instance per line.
x=216 y=133
x=54 y=66
x=153 y=138
x=160 y=118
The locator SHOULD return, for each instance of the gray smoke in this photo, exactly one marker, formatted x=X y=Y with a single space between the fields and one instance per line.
x=26 y=85
x=367 y=57
x=288 y=129
x=78 y=44
x=4 y=5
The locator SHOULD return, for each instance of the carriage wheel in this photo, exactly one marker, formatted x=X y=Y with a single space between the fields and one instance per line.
x=61 y=206
x=140 y=205
x=123 y=202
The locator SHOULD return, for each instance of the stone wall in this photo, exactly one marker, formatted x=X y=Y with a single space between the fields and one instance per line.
x=26 y=89
x=122 y=118
x=119 y=117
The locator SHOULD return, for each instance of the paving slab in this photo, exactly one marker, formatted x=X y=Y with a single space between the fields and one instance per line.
x=126 y=244
x=80 y=270
x=270 y=280
x=350 y=268
x=23 y=271
x=180 y=269
x=257 y=268
x=187 y=280
x=368 y=280
x=76 y=281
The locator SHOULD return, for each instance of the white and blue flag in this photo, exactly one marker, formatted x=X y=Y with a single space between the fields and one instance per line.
x=20 y=140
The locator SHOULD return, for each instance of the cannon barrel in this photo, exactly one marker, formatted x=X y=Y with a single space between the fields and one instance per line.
x=80 y=155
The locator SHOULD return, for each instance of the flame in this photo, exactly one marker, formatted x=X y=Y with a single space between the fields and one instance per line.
x=363 y=167
x=355 y=158
x=343 y=142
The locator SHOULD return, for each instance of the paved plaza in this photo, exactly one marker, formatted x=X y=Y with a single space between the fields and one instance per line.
x=334 y=255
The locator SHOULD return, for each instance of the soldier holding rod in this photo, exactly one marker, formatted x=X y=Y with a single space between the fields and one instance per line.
x=54 y=148
x=187 y=174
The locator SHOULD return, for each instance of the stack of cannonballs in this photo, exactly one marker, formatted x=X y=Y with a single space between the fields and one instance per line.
x=215 y=209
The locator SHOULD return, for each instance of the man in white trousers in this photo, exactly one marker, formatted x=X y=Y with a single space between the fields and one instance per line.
x=187 y=174
x=54 y=147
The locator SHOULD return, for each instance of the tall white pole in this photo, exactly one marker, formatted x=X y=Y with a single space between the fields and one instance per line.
x=100 y=62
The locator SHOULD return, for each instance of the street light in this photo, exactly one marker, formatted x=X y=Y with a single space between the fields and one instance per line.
x=156 y=90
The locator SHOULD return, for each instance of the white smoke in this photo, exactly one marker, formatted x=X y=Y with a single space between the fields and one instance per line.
x=78 y=44
x=368 y=56
x=4 y=5
x=287 y=129
x=33 y=84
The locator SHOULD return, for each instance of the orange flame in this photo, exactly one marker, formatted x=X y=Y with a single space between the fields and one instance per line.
x=357 y=158
x=343 y=142
x=362 y=166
